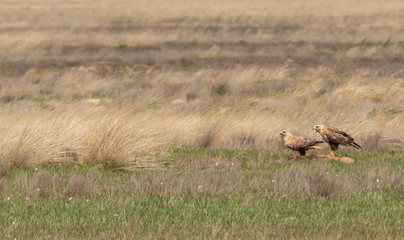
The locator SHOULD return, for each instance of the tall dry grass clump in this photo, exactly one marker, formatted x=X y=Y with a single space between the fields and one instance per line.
x=105 y=139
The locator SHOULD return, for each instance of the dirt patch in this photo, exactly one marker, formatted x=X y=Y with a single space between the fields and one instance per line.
x=336 y=158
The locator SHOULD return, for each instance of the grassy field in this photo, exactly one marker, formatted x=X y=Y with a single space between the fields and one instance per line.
x=236 y=194
x=165 y=116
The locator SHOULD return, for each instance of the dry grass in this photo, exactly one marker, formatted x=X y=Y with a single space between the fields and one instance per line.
x=45 y=185
x=135 y=137
x=214 y=176
x=198 y=91
x=316 y=181
x=98 y=138
x=226 y=74
x=45 y=24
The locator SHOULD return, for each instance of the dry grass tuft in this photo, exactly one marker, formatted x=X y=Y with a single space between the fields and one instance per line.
x=171 y=183
x=323 y=185
x=379 y=142
x=243 y=140
x=275 y=143
x=207 y=135
x=372 y=142
x=79 y=185
x=108 y=140
x=66 y=156
x=396 y=182
x=2 y=179
x=44 y=184
x=220 y=89
x=42 y=180
x=297 y=180
x=18 y=154
x=107 y=145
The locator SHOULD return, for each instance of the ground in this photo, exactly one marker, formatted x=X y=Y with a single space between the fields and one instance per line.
x=210 y=194
x=166 y=115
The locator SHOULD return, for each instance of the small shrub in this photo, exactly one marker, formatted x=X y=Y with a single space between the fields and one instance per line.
x=221 y=89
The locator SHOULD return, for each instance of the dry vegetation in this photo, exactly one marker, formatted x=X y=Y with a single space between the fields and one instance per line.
x=114 y=84
x=224 y=179
x=199 y=90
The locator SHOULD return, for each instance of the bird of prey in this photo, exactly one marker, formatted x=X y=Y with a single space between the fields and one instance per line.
x=299 y=144
x=335 y=137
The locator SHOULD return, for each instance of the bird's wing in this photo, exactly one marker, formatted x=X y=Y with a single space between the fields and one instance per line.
x=337 y=136
x=298 y=142
x=324 y=137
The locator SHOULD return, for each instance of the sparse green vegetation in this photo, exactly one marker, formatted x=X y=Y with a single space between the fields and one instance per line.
x=210 y=194
x=122 y=47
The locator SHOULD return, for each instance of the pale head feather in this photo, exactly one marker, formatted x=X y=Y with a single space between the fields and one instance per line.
x=318 y=127
x=285 y=133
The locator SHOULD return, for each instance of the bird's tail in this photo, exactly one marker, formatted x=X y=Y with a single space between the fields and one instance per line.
x=356 y=146
x=314 y=146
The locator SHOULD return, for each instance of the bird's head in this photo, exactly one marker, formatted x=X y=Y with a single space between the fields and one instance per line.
x=318 y=127
x=285 y=132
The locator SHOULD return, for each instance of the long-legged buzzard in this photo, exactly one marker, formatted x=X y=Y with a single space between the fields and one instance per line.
x=299 y=144
x=335 y=137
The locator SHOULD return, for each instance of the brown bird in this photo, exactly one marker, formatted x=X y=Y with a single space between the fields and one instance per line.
x=335 y=137
x=299 y=144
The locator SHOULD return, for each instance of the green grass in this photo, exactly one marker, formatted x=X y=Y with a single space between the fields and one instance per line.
x=374 y=215
x=250 y=194
x=122 y=47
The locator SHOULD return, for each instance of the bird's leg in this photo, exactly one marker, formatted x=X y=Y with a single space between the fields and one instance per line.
x=295 y=153
x=332 y=153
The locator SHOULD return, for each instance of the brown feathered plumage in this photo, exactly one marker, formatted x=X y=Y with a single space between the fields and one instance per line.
x=335 y=137
x=299 y=144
